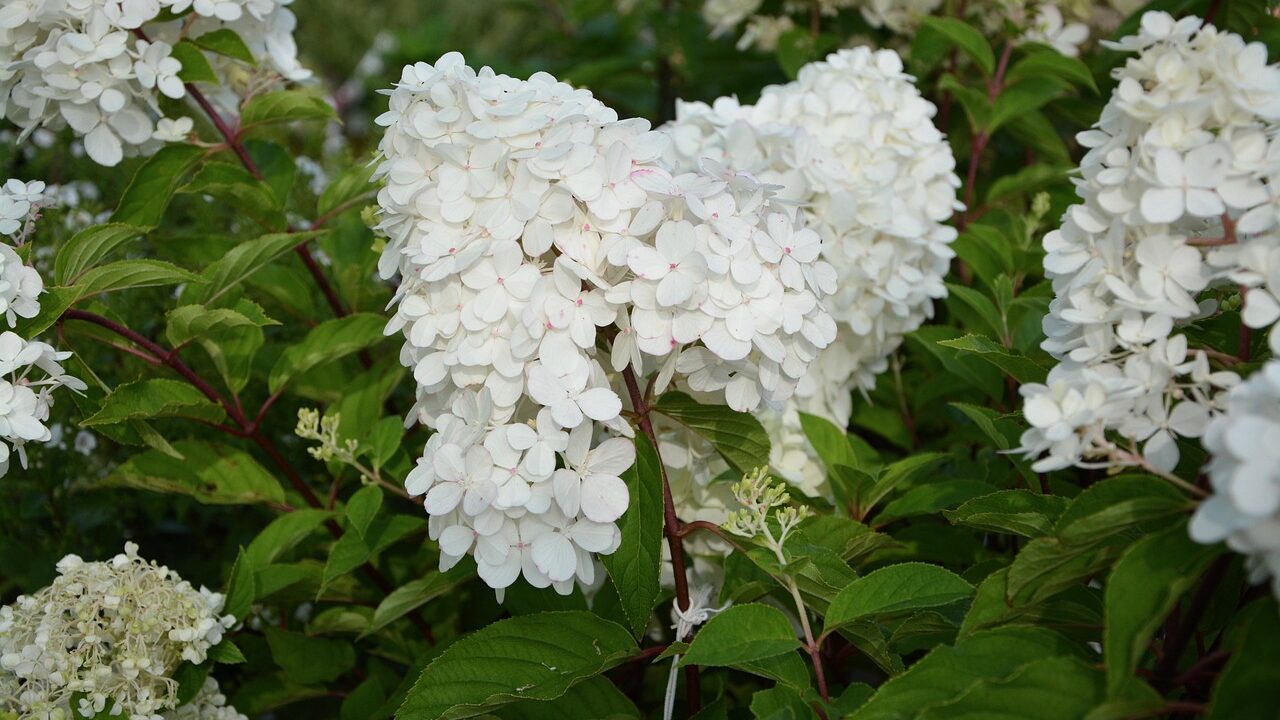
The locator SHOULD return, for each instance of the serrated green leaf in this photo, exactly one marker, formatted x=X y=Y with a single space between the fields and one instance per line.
x=1020 y=99
x=209 y=473
x=742 y=634
x=592 y=698
x=1246 y=687
x=948 y=672
x=1019 y=512
x=53 y=303
x=363 y=507
x=244 y=260
x=1044 y=60
x=128 y=274
x=895 y=589
x=635 y=566
x=829 y=442
x=1053 y=688
x=226 y=653
x=148 y=194
x=309 y=660
x=146 y=399
x=738 y=437
x=414 y=594
x=531 y=657
x=347 y=189
x=328 y=341
x=88 y=246
x=195 y=66
x=956 y=33
x=284 y=106
x=932 y=498
x=1115 y=505
x=233 y=185
x=282 y=534
x=227 y=43
x=1146 y=582
x=1019 y=366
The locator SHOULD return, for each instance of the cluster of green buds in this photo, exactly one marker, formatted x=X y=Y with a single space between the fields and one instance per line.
x=324 y=430
x=765 y=504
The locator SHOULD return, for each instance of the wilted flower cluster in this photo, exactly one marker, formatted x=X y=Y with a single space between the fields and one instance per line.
x=851 y=142
x=545 y=248
x=111 y=634
x=1179 y=196
x=102 y=66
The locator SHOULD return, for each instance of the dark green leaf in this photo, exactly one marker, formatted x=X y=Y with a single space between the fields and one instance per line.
x=363 y=507
x=635 y=565
x=88 y=246
x=1147 y=581
x=534 y=657
x=741 y=634
x=308 y=660
x=127 y=274
x=227 y=43
x=895 y=589
x=1020 y=512
x=328 y=341
x=144 y=201
x=213 y=474
x=957 y=33
x=739 y=437
x=414 y=594
x=1019 y=366
x=195 y=66
x=155 y=398
x=284 y=106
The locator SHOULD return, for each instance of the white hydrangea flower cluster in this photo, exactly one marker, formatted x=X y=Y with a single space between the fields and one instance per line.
x=87 y=65
x=544 y=249
x=110 y=633
x=30 y=372
x=1244 y=441
x=1179 y=192
x=20 y=284
x=851 y=142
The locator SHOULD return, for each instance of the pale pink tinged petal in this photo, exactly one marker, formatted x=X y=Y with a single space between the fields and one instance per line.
x=648 y=263
x=674 y=289
x=567 y=488
x=600 y=403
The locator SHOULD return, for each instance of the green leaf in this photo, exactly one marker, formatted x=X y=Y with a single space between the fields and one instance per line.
x=145 y=399
x=346 y=189
x=328 y=341
x=195 y=66
x=282 y=534
x=1115 y=505
x=948 y=672
x=148 y=194
x=190 y=322
x=351 y=551
x=244 y=260
x=895 y=589
x=1145 y=584
x=227 y=43
x=741 y=634
x=976 y=104
x=780 y=703
x=987 y=251
x=284 y=106
x=829 y=442
x=88 y=246
x=226 y=653
x=592 y=698
x=787 y=669
x=976 y=306
x=128 y=274
x=1019 y=366
x=190 y=679
x=636 y=564
x=1021 y=99
x=241 y=588
x=414 y=594
x=233 y=185
x=1025 y=181
x=1045 y=566
x=534 y=657
x=211 y=474
x=363 y=507
x=340 y=620
x=1018 y=512
x=53 y=303
x=1050 y=62
x=307 y=660
x=932 y=498
x=952 y=32
x=1053 y=688
x=1246 y=688
x=739 y=437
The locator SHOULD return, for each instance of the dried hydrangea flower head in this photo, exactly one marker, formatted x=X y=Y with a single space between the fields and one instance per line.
x=545 y=249
x=110 y=634
x=1178 y=196
x=100 y=66
x=852 y=132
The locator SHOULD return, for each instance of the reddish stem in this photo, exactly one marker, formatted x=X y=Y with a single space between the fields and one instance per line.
x=670 y=528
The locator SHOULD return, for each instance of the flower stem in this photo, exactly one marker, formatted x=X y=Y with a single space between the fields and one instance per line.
x=670 y=528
